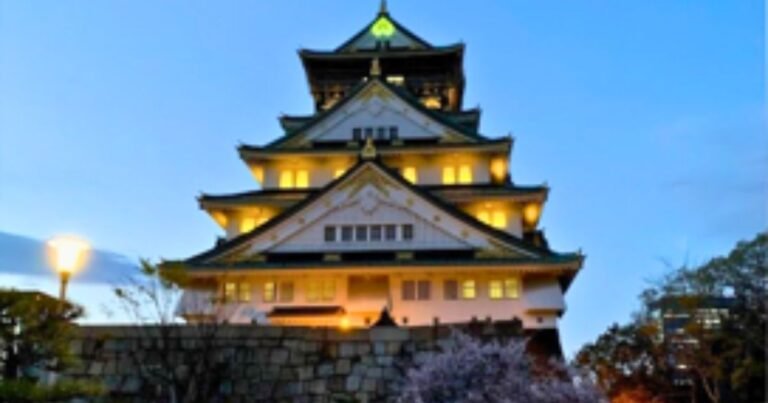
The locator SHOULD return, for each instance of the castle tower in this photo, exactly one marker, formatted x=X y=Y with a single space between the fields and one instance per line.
x=386 y=197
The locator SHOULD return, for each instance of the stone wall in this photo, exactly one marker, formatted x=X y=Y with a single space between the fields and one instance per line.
x=257 y=363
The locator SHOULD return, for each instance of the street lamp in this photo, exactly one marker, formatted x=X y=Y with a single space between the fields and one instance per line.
x=67 y=254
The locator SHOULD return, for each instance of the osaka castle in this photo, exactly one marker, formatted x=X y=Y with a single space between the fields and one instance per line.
x=387 y=200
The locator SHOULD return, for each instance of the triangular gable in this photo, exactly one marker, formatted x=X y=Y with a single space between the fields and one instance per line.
x=369 y=181
x=378 y=104
x=381 y=34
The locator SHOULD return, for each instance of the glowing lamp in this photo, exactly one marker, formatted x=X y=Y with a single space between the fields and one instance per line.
x=531 y=213
x=67 y=254
x=344 y=323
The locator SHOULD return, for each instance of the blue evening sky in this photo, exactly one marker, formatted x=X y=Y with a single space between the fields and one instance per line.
x=647 y=119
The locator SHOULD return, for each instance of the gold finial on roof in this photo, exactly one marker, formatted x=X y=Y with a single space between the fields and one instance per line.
x=369 y=149
x=375 y=67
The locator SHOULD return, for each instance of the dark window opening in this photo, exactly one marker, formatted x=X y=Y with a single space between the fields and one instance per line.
x=390 y=232
x=407 y=232
x=330 y=234
x=361 y=233
x=346 y=233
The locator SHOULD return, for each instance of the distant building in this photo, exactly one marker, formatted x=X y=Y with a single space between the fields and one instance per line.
x=387 y=197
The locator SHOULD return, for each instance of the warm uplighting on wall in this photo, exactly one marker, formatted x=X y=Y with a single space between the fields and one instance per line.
x=409 y=173
x=338 y=172
x=286 y=179
x=344 y=323
x=432 y=102
x=220 y=218
x=258 y=173
x=302 y=179
x=496 y=218
x=499 y=169
x=531 y=213
x=247 y=224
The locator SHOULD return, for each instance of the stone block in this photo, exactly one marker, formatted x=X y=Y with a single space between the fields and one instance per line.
x=343 y=367
x=325 y=370
x=374 y=372
x=388 y=334
x=363 y=348
x=305 y=372
x=278 y=356
x=369 y=385
x=393 y=347
x=346 y=349
x=317 y=387
x=353 y=383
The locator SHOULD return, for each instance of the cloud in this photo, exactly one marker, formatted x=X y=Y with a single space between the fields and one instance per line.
x=21 y=255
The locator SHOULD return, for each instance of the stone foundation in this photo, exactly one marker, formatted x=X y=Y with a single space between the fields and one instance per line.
x=265 y=364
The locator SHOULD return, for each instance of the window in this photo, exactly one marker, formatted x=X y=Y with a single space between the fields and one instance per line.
x=511 y=288
x=507 y=288
x=449 y=175
x=396 y=80
x=368 y=132
x=451 y=290
x=431 y=102
x=381 y=133
x=423 y=288
x=416 y=290
x=290 y=179
x=302 y=179
x=269 y=291
x=321 y=290
x=409 y=173
x=286 y=179
x=286 y=291
x=468 y=290
x=409 y=290
x=375 y=232
x=230 y=292
x=393 y=133
x=407 y=232
x=495 y=289
x=361 y=233
x=465 y=174
x=244 y=292
x=357 y=134
x=330 y=234
x=390 y=232
x=346 y=233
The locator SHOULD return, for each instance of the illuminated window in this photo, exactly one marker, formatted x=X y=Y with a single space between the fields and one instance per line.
x=409 y=173
x=449 y=175
x=290 y=179
x=302 y=179
x=244 y=292
x=468 y=290
x=321 y=290
x=511 y=288
x=499 y=219
x=286 y=179
x=431 y=102
x=247 y=224
x=269 y=291
x=286 y=291
x=396 y=80
x=451 y=289
x=230 y=292
x=495 y=289
x=499 y=169
x=465 y=174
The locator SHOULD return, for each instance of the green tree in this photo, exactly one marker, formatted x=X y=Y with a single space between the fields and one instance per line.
x=35 y=334
x=723 y=355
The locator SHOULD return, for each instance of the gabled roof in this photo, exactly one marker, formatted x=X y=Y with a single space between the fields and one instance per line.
x=383 y=26
x=437 y=116
x=495 y=234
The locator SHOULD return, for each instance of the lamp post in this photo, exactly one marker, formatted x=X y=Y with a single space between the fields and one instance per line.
x=67 y=254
